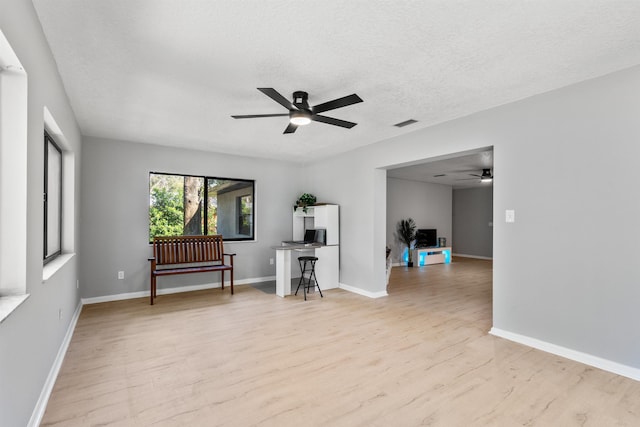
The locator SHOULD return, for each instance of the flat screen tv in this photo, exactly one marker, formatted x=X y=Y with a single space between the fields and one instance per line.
x=426 y=237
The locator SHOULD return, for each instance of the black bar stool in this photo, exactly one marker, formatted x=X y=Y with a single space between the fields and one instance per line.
x=308 y=282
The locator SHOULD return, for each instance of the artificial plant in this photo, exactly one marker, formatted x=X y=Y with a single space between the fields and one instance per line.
x=305 y=200
x=406 y=232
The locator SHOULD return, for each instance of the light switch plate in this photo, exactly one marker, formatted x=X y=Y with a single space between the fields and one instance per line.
x=510 y=215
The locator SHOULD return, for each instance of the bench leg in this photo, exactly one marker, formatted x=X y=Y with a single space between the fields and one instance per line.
x=232 y=281
x=222 y=279
x=152 y=291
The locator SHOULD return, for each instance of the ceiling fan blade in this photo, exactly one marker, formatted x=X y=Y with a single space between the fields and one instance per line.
x=473 y=174
x=254 y=116
x=291 y=128
x=332 y=121
x=275 y=95
x=337 y=103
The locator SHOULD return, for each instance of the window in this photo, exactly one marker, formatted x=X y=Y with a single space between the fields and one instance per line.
x=201 y=205
x=13 y=177
x=52 y=199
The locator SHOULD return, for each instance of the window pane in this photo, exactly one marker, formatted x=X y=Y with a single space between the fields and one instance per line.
x=230 y=208
x=245 y=214
x=54 y=196
x=175 y=205
x=193 y=205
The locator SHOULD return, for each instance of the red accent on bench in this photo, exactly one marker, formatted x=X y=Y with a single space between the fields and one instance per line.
x=173 y=251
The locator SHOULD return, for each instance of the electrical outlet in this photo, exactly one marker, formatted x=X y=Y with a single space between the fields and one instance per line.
x=270 y=261
x=78 y=284
x=120 y=275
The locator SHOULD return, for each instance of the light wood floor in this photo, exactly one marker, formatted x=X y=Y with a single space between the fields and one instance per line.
x=421 y=356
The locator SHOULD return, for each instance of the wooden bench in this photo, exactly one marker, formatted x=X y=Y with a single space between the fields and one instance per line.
x=188 y=254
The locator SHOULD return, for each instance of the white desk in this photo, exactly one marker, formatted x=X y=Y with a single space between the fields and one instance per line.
x=327 y=269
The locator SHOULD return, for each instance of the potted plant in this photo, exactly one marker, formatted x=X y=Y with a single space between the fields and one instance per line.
x=406 y=233
x=305 y=200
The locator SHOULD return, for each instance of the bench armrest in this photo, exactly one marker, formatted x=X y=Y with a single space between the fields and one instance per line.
x=230 y=255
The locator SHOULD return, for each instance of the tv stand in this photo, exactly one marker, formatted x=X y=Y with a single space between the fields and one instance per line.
x=427 y=256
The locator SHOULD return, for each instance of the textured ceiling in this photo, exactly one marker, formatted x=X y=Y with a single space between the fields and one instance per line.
x=173 y=72
x=456 y=170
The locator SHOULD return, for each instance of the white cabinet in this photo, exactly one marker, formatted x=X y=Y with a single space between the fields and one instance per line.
x=427 y=256
x=326 y=217
x=327 y=271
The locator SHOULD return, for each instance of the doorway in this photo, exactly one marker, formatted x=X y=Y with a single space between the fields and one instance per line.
x=451 y=194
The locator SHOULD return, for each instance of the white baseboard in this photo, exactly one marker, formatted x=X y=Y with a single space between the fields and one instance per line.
x=578 y=356
x=41 y=405
x=363 y=292
x=166 y=291
x=472 y=256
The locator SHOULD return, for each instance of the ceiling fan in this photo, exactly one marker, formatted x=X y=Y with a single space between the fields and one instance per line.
x=301 y=113
x=486 y=176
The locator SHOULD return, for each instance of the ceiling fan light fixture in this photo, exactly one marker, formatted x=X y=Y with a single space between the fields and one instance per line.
x=486 y=176
x=300 y=118
x=486 y=179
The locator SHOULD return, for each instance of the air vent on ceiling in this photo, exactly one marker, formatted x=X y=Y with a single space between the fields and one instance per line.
x=405 y=123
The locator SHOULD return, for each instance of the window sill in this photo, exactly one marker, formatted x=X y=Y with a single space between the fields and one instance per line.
x=9 y=303
x=52 y=267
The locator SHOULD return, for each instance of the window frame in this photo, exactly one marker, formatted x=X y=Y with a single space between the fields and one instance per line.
x=205 y=212
x=48 y=139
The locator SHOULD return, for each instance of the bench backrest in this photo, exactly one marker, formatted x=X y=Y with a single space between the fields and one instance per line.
x=187 y=249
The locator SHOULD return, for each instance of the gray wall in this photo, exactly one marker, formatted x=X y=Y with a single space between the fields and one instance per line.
x=570 y=293
x=562 y=297
x=473 y=222
x=428 y=204
x=115 y=212
x=32 y=335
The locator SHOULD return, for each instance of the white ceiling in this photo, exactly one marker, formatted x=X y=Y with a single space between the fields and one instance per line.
x=173 y=72
x=457 y=170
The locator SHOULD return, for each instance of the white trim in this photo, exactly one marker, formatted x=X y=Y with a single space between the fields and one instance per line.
x=9 y=303
x=56 y=264
x=166 y=291
x=41 y=405
x=578 y=356
x=473 y=256
x=362 y=291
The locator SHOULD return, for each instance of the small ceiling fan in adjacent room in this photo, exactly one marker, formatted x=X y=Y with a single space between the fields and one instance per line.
x=301 y=113
x=486 y=176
